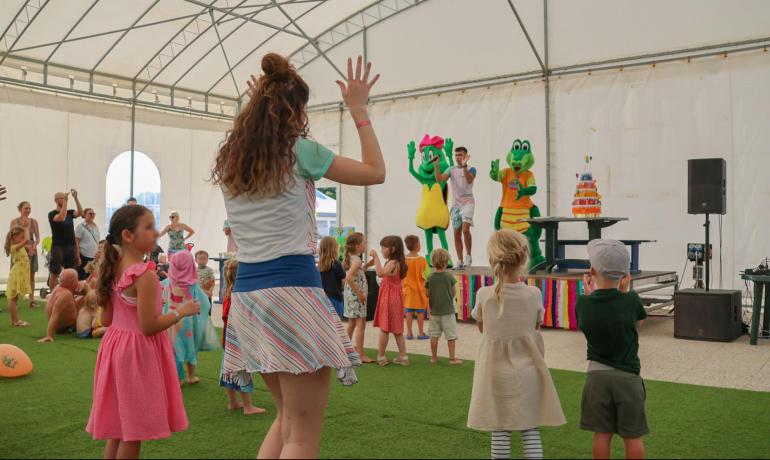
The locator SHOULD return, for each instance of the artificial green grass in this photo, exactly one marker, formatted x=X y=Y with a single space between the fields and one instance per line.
x=415 y=412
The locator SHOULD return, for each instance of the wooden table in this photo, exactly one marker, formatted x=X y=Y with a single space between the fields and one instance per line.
x=551 y=227
x=761 y=283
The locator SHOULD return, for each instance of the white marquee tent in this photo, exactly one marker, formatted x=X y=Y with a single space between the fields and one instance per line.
x=640 y=86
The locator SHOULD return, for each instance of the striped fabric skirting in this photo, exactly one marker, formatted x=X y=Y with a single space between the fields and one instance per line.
x=285 y=329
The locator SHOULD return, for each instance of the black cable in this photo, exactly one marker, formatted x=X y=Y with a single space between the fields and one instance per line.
x=681 y=278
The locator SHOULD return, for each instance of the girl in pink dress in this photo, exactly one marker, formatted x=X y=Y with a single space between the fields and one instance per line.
x=136 y=391
x=389 y=316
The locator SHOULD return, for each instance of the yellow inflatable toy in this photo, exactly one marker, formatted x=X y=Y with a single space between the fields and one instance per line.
x=14 y=362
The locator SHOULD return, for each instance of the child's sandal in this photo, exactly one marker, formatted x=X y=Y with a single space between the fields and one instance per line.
x=382 y=361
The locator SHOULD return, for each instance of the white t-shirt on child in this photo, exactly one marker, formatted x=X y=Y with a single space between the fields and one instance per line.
x=269 y=228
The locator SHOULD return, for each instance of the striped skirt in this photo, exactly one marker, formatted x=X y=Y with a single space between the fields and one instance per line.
x=287 y=329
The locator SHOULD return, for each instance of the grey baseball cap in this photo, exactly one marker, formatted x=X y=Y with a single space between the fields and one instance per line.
x=609 y=258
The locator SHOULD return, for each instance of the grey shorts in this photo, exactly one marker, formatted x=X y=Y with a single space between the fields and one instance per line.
x=613 y=402
x=443 y=323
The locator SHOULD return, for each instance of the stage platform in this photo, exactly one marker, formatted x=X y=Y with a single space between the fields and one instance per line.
x=561 y=289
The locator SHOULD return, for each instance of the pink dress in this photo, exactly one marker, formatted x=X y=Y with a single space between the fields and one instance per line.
x=389 y=316
x=136 y=389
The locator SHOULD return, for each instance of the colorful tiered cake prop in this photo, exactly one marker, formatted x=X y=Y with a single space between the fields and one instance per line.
x=587 y=202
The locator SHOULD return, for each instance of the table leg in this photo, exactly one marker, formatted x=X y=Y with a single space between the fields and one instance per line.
x=766 y=320
x=635 y=258
x=756 y=310
x=595 y=230
x=551 y=246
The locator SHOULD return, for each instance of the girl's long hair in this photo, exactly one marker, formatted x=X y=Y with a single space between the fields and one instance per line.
x=396 y=245
x=9 y=238
x=258 y=157
x=328 y=253
x=508 y=253
x=125 y=218
x=351 y=243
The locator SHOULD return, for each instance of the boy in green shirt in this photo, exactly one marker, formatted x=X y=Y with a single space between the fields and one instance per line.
x=609 y=316
x=440 y=289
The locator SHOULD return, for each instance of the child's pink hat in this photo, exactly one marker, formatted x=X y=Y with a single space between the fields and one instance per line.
x=182 y=269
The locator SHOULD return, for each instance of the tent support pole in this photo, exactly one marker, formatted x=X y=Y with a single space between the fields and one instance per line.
x=547 y=80
x=133 y=134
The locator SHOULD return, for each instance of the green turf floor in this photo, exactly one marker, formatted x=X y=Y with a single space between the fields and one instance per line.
x=416 y=412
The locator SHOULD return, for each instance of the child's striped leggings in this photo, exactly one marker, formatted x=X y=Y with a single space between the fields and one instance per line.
x=530 y=441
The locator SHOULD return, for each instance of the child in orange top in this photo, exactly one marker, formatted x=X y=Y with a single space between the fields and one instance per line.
x=415 y=299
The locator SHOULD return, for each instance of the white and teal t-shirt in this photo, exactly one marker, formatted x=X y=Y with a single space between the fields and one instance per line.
x=269 y=228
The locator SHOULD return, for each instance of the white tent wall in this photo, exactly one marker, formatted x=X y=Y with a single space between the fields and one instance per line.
x=486 y=121
x=47 y=145
x=639 y=125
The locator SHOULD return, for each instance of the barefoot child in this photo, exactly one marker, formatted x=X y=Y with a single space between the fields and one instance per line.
x=332 y=273
x=190 y=334
x=230 y=272
x=614 y=393
x=356 y=289
x=441 y=290
x=87 y=325
x=136 y=392
x=18 y=280
x=512 y=387
x=415 y=299
x=389 y=316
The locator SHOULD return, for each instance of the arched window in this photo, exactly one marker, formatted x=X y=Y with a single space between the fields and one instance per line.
x=146 y=184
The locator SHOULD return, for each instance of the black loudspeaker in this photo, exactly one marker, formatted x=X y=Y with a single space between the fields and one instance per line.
x=708 y=315
x=707 y=186
x=371 y=296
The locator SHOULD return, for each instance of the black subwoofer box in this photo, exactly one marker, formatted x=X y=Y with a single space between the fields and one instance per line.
x=713 y=315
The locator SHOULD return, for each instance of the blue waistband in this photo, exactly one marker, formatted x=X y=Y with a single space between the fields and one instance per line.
x=287 y=271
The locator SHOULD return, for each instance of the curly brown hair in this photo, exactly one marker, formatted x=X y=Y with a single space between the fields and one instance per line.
x=258 y=157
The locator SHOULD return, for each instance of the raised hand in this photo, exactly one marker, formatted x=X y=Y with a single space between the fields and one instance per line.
x=449 y=146
x=412 y=149
x=494 y=171
x=251 y=86
x=356 y=92
x=74 y=193
x=373 y=254
x=588 y=284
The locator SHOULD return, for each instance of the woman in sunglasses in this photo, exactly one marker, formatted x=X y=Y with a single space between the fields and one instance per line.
x=176 y=234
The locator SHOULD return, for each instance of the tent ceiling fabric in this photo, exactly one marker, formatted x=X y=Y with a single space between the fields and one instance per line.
x=174 y=43
x=197 y=54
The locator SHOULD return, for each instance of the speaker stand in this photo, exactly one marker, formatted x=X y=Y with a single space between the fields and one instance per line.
x=707 y=253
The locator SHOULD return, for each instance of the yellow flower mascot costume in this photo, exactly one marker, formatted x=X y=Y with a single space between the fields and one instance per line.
x=433 y=213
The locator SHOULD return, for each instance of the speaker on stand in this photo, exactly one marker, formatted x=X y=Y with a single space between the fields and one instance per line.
x=703 y=314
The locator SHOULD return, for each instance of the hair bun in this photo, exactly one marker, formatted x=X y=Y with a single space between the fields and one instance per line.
x=276 y=67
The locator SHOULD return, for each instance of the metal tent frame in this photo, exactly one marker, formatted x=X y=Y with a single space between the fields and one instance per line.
x=212 y=15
